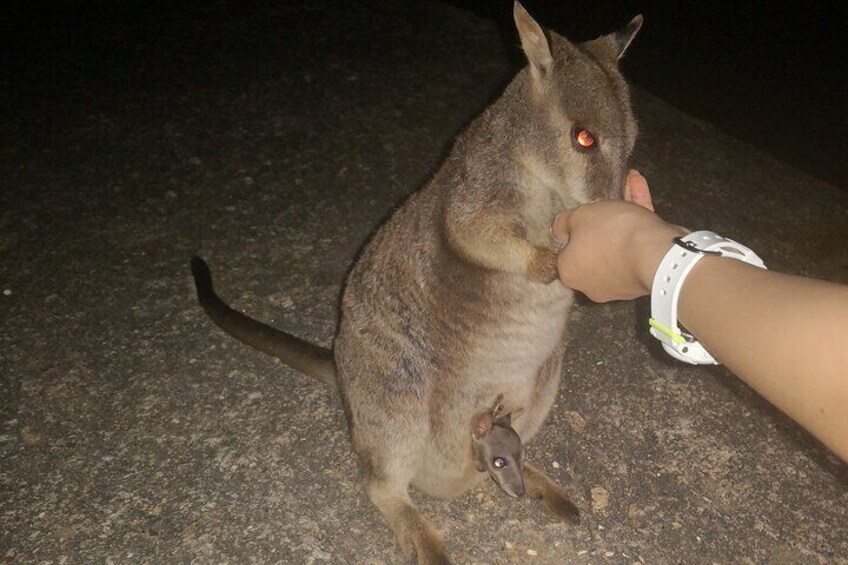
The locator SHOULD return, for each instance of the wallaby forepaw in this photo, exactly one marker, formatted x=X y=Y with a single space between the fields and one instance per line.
x=543 y=265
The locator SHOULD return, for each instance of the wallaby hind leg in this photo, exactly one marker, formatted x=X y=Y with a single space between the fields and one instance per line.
x=411 y=528
x=540 y=486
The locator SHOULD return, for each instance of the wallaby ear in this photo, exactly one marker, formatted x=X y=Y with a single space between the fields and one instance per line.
x=612 y=46
x=624 y=37
x=534 y=42
x=482 y=427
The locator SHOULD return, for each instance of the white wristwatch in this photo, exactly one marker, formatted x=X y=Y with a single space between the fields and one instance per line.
x=668 y=281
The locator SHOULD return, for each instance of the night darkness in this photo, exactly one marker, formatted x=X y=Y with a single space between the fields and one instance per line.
x=770 y=73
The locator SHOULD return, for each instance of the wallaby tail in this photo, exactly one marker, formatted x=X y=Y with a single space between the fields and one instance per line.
x=309 y=359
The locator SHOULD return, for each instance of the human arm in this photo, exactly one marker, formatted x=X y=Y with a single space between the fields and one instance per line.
x=783 y=335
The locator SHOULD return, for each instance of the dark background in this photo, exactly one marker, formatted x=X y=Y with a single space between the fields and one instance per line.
x=772 y=73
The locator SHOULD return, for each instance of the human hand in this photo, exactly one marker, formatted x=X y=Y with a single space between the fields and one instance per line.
x=613 y=248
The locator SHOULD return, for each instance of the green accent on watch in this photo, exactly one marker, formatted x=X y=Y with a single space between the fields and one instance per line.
x=676 y=337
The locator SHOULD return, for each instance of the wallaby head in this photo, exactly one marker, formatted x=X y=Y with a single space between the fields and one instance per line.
x=579 y=128
x=499 y=450
x=559 y=136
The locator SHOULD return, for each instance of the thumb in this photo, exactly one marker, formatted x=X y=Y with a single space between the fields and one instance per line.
x=561 y=227
x=636 y=190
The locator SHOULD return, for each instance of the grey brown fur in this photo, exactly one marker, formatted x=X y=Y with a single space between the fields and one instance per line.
x=454 y=300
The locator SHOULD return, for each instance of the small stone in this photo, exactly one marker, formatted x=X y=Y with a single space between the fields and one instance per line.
x=508 y=545
x=555 y=464
x=575 y=420
x=532 y=552
x=600 y=498
x=283 y=301
x=7 y=292
x=30 y=437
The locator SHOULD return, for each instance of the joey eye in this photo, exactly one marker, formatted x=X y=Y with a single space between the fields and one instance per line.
x=499 y=462
x=583 y=139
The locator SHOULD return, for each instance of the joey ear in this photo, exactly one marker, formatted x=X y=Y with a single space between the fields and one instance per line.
x=533 y=42
x=612 y=46
x=482 y=427
x=505 y=418
x=497 y=409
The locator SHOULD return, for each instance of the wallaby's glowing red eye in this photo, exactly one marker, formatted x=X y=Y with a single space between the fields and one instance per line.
x=583 y=138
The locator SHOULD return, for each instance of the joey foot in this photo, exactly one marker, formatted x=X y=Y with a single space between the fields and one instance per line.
x=542 y=487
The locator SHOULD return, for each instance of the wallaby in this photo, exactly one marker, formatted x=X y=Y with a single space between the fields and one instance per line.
x=455 y=299
x=498 y=449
